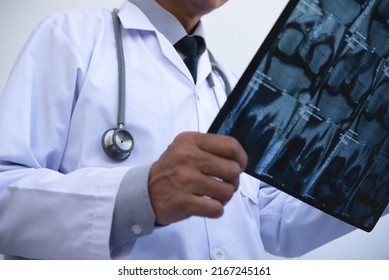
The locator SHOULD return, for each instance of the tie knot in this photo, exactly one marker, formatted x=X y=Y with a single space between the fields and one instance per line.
x=190 y=46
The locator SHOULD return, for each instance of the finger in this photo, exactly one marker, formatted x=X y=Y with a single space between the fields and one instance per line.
x=223 y=146
x=168 y=190
x=194 y=182
x=222 y=168
x=204 y=207
x=187 y=150
x=215 y=189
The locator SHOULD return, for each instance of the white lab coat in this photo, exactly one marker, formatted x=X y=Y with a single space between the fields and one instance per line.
x=58 y=188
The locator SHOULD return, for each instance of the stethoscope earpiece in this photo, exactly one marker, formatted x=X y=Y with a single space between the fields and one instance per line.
x=117 y=143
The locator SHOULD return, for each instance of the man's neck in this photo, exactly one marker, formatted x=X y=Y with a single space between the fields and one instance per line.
x=164 y=21
x=186 y=17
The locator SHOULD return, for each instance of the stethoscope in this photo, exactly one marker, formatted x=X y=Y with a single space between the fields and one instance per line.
x=118 y=142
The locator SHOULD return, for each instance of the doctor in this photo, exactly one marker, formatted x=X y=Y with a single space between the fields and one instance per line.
x=181 y=194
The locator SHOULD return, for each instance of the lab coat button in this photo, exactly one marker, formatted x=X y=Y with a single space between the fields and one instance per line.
x=136 y=229
x=218 y=254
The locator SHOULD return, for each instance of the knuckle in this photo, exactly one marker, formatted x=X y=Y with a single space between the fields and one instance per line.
x=234 y=169
x=232 y=190
x=179 y=155
x=181 y=137
x=182 y=206
x=217 y=211
x=187 y=206
x=234 y=145
x=185 y=137
x=183 y=178
x=237 y=152
x=229 y=191
x=181 y=203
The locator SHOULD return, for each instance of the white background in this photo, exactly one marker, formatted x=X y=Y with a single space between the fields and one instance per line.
x=234 y=33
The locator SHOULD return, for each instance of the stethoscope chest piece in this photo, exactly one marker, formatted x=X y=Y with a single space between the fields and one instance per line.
x=117 y=143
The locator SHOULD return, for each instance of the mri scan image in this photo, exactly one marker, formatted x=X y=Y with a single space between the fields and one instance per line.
x=312 y=108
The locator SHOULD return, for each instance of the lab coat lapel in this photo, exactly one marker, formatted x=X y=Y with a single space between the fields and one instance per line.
x=132 y=18
x=204 y=65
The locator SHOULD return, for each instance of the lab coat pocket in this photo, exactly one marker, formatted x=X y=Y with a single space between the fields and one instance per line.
x=249 y=196
x=249 y=188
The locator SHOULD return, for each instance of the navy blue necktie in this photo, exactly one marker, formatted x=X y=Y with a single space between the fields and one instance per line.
x=191 y=47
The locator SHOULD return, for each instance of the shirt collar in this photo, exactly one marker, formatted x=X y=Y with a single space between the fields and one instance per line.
x=164 y=21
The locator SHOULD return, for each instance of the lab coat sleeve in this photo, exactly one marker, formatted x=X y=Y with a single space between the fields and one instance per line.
x=133 y=213
x=46 y=213
x=291 y=228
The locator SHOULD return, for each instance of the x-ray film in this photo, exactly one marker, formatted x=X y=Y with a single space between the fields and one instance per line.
x=312 y=108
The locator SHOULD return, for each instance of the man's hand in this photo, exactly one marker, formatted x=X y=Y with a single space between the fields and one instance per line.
x=196 y=175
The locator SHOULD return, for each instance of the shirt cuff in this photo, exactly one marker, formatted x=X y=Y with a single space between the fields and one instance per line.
x=133 y=214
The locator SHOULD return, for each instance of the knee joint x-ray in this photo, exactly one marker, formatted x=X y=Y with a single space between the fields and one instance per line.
x=312 y=108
